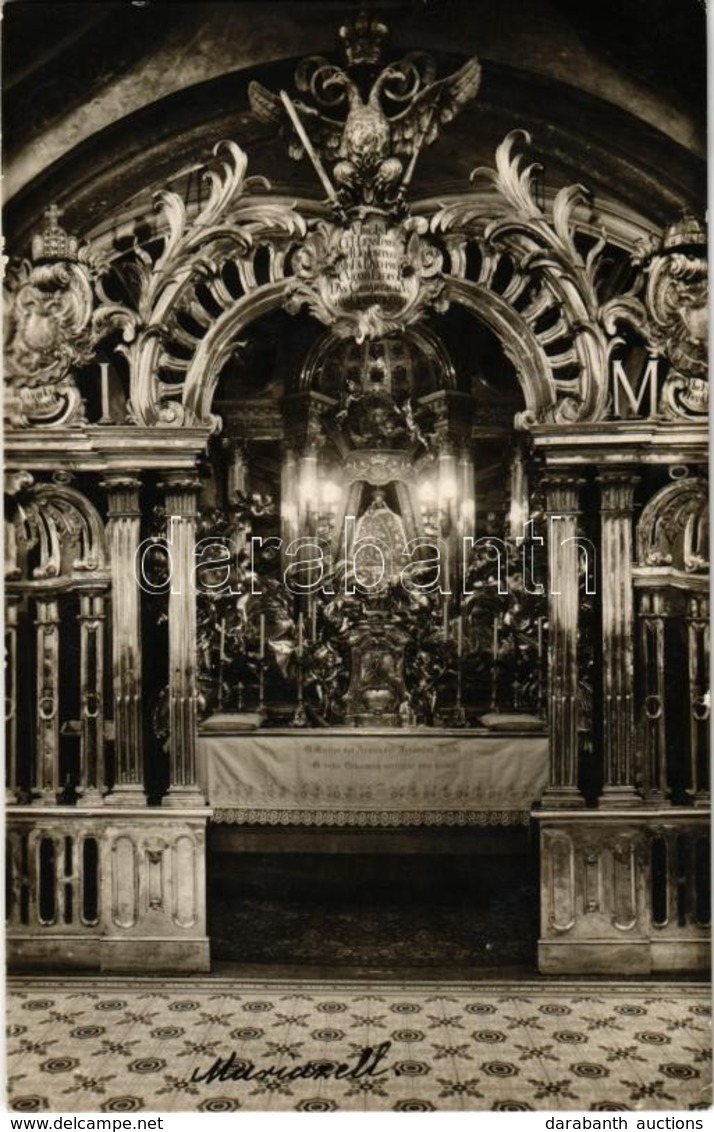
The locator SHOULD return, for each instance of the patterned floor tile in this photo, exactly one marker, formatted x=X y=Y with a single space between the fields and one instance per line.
x=115 y=1045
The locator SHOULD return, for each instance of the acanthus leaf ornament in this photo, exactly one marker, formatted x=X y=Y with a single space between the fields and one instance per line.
x=550 y=278
x=671 y=316
x=47 y=329
x=676 y=299
x=363 y=263
x=369 y=278
x=231 y=226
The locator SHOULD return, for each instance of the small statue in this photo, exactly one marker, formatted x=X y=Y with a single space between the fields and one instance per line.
x=415 y=434
x=350 y=396
x=406 y=715
x=299 y=718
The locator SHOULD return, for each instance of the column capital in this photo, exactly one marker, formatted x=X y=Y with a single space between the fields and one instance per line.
x=117 y=481
x=652 y=604
x=180 y=481
x=562 y=488
x=181 y=496
x=617 y=489
x=698 y=607
x=122 y=495
x=622 y=474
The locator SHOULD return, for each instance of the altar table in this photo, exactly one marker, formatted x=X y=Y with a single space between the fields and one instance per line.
x=389 y=777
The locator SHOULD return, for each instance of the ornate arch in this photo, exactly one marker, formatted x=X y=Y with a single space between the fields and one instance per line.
x=673 y=530
x=62 y=526
x=176 y=307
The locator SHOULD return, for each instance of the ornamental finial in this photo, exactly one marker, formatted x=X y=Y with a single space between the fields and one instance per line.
x=54 y=245
x=363 y=39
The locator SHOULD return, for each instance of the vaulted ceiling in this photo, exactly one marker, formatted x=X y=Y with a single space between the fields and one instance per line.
x=104 y=101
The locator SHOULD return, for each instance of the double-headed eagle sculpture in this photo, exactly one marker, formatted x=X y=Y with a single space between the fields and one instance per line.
x=348 y=126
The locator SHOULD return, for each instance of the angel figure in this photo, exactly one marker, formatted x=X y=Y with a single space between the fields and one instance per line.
x=415 y=434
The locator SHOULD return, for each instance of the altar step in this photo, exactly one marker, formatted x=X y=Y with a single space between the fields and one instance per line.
x=378 y=912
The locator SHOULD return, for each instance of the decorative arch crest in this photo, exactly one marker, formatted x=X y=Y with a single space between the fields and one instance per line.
x=673 y=530
x=60 y=525
x=176 y=307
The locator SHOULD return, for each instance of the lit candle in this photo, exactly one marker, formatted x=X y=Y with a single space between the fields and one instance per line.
x=299 y=649
x=262 y=636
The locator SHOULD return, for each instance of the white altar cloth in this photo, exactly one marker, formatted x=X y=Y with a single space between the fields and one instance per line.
x=387 y=777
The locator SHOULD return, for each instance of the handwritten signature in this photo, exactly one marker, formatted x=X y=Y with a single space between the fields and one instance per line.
x=234 y=1068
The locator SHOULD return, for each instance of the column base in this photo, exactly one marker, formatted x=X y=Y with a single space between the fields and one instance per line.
x=562 y=797
x=614 y=797
x=702 y=800
x=154 y=954
x=130 y=795
x=594 y=957
x=183 y=797
x=91 y=798
x=656 y=798
x=63 y=951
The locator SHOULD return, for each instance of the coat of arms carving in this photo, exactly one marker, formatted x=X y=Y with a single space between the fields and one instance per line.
x=47 y=329
x=370 y=271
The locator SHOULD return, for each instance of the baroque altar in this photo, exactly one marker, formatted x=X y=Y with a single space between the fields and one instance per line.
x=354 y=506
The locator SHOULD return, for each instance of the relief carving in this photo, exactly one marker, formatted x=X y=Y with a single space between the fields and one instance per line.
x=671 y=320
x=677 y=304
x=674 y=527
x=347 y=125
x=369 y=278
x=47 y=325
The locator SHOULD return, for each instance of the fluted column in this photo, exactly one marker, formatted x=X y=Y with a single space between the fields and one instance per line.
x=11 y=769
x=92 y=768
x=562 y=497
x=123 y=532
x=181 y=511
x=699 y=711
x=652 y=658
x=47 y=781
x=616 y=598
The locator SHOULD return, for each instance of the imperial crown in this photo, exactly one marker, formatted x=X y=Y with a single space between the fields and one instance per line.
x=362 y=40
x=54 y=245
x=687 y=232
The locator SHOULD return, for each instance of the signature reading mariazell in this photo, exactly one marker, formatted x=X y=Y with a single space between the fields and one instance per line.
x=233 y=1068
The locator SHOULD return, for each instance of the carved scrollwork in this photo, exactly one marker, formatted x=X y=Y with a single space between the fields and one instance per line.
x=549 y=276
x=673 y=530
x=368 y=279
x=671 y=318
x=158 y=322
x=62 y=524
x=48 y=310
x=677 y=304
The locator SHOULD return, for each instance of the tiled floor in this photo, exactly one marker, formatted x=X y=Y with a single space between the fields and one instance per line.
x=129 y=1045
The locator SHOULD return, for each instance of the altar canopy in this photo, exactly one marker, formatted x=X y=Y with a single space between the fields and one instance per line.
x=352 y=778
